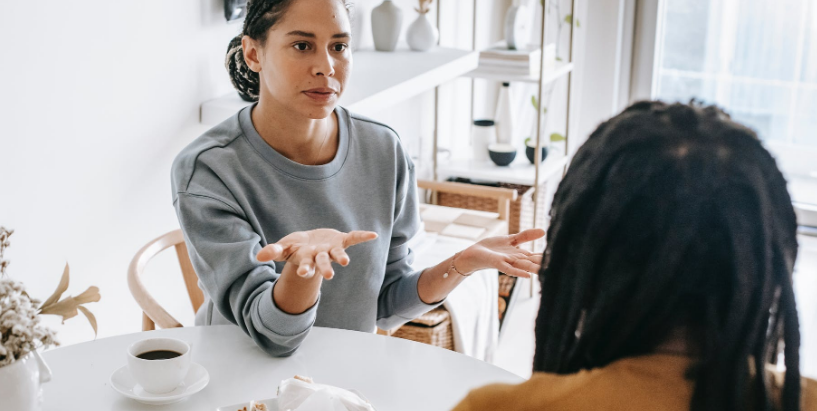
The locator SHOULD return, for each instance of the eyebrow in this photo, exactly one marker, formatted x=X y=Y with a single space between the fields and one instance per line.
x=312 y=35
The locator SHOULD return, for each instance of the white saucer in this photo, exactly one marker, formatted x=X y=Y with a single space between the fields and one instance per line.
x=195 y=381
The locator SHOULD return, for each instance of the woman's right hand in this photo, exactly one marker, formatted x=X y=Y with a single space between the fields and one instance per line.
x=313 y=251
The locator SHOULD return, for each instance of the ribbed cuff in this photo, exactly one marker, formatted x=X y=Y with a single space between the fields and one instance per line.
x=408 y=298
x=282 y=323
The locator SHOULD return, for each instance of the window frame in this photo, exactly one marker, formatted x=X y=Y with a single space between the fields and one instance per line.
x=796 y=162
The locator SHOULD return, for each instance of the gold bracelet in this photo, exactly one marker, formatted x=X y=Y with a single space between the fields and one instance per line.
x=451 y=267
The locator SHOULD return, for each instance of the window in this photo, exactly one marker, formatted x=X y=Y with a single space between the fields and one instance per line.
x=755 y=58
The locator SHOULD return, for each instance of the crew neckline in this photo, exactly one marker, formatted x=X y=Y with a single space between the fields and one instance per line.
x=292 y=168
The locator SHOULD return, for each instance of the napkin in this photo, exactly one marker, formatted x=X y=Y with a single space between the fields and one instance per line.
x=297 y=395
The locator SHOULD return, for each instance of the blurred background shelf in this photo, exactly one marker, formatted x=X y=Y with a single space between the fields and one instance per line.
x=553 y=71
x=521 y=171
x=379 y=80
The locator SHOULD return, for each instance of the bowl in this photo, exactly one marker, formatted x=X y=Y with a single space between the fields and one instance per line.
x=530 y=151
x=501 y=154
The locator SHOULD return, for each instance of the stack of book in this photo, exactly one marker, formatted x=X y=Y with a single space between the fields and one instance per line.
x=525 y=62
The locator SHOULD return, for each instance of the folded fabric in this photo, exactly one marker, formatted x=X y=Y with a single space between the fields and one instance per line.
x=463 y=231
x=296 y=394
x=472 y=305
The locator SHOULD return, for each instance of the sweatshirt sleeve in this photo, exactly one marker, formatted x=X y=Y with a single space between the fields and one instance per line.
x=399 y=300
x=222 y=247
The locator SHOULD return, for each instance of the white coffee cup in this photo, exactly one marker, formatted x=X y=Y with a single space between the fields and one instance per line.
x=163 y=375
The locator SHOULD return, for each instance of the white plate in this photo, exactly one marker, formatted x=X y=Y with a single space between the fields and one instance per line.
x=195 y=381
x=271 y=403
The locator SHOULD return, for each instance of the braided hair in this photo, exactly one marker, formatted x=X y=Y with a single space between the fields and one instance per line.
x=261 y=16
x=673 y=216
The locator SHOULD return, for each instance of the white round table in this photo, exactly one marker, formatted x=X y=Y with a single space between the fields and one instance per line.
x=394 y=374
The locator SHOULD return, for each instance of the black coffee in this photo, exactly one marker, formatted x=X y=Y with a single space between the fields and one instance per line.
x=158 y=355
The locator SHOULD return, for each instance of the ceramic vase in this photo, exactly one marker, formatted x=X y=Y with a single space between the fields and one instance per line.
x=504 y=116
x=421 y=34
x=20 y=383
x=387 y=19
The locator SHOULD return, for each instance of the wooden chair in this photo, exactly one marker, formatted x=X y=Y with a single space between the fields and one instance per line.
x=153 y=314
x=504 y=196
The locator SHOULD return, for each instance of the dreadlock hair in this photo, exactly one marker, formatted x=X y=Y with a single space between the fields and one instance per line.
x=261 y=16
x=673 y=216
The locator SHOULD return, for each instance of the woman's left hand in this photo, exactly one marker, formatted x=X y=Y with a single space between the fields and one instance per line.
x=502 y=253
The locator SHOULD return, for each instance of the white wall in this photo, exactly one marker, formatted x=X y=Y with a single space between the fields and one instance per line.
x=96 y=98
x=606 y=55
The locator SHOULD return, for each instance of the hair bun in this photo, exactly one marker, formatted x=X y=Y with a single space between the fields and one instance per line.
x=245 y=81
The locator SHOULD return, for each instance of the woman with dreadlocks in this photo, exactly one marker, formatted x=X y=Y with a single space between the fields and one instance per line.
x=271 y=197
x=667 y=282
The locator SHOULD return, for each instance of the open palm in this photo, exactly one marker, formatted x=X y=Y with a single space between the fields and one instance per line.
x=503 y=253
x=313 y=251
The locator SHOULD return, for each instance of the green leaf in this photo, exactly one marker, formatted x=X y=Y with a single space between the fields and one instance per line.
x=555 y=137
x=527 y=141
x=536 y=105
x=577 y=23
x=558 y=59
x=569 y=18
x=63 y=285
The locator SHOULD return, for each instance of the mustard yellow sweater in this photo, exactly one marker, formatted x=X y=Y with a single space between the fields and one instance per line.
x=652 y=382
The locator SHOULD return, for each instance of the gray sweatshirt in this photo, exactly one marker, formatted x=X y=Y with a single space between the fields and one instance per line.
x=234 y=194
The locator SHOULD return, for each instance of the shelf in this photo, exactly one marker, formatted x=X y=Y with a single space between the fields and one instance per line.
x=378 y=80
x=521 y=171
x=553 y=71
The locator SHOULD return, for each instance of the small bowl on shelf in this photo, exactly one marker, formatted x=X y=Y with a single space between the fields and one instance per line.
x=501 y=154
x=530 y=151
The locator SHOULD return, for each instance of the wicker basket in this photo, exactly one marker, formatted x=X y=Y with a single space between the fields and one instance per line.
x=506 y=284
x=501 y=305
x=521 y=217
x=433 y=328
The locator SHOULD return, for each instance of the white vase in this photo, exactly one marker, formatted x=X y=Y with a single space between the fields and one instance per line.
x=504 y=116
x=421 y=35
x=387 y=19
x=20 y=383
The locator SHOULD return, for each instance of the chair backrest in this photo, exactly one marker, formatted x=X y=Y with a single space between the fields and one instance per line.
x=504 y=196
x=153 y=314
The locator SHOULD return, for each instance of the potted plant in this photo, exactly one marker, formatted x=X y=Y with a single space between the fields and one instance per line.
x=530 y=150
x=22 y=370
x=530 y=144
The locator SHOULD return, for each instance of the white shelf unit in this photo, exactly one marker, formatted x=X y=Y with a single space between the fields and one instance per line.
x=378 y=80
x=554 y=70
x=520 y=171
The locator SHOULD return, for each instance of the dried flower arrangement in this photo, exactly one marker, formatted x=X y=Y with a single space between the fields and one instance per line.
x=20 y=328
x=425 y=6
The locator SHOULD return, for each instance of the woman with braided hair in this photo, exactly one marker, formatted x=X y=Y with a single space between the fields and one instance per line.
x=667 y=281
x=271 y=197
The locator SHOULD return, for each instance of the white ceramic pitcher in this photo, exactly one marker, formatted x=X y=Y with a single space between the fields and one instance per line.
x=20 y=383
